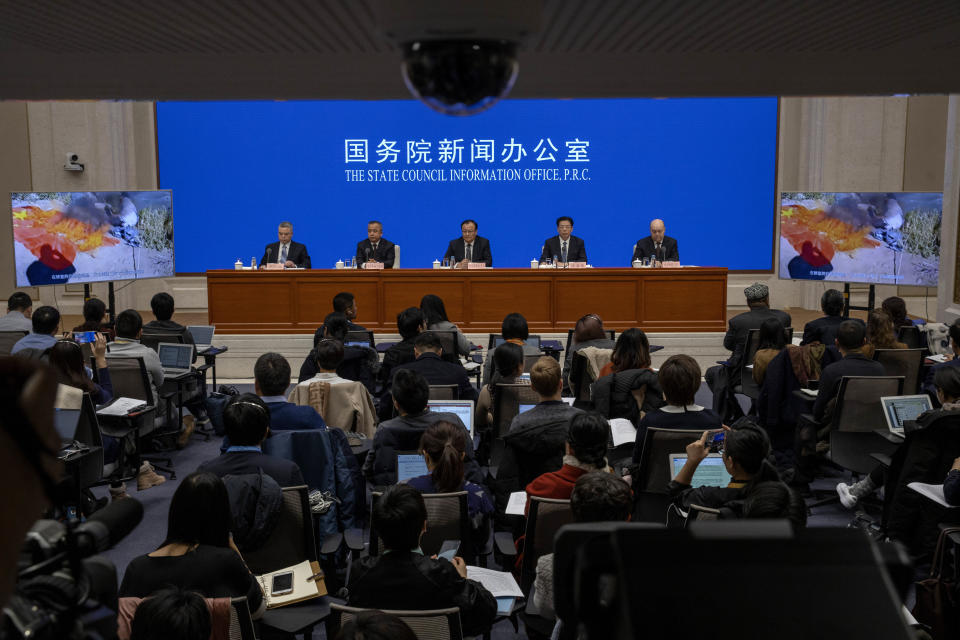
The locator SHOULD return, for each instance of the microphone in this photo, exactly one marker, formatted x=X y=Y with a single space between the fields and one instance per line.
x=110 y=525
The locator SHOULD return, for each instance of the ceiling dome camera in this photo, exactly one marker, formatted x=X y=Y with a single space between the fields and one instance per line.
x=460 y=77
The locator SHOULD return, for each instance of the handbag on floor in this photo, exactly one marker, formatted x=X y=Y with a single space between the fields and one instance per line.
x=938 y=596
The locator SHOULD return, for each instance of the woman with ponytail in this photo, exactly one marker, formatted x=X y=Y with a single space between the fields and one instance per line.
x=586 y=451
x=508 y=367
x=443 y=447
x=745 y=451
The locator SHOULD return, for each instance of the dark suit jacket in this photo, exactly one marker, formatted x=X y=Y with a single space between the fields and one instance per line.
x=739 y=327
x=668 y=249
x=297 y=254
x=853 y=364
x=576 y=251
x=823 y=330
x=238 y=463
x=439 y=371
x=384 y=252
x=481 y=250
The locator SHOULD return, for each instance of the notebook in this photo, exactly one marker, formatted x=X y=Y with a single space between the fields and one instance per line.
x=202 y=336
x=897 y=409
x=410 y=465
x=305 y=586
x=710 y=473
x=463 y=409
x=175 y=358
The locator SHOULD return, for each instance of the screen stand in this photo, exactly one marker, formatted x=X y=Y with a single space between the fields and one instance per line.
x=871 y=299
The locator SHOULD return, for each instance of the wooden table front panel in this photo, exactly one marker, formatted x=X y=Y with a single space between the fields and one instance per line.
x=688 y=299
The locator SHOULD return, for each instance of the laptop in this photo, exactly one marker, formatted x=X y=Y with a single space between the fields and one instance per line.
x=532 y=341
x=202 y=336
x=463 y=409
x=175 y=358
x=524 y=377
x=525 y=407
x=710 y=473
x=410 y=464
x=897 y=409
x=65 y=421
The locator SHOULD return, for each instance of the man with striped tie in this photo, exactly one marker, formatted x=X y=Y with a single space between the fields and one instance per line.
x=290 y=254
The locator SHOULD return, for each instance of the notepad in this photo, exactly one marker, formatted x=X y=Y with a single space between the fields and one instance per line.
x=517 y=505
x=500 y=584
x=622 y=431
x=121 y=407
x=932 y=491
x=303 y=588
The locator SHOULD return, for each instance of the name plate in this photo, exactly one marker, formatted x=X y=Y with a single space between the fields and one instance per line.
x=576 y=265
x=672 y=264
x=476 y=265
x=273 y=266
x=373 y=265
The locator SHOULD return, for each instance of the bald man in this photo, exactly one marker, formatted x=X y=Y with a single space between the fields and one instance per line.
x=657 y=244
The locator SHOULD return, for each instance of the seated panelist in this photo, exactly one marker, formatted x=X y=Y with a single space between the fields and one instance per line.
x=375 y=248
x=564 y=246
x=663 y=247
x=469 y=247
x=285 y=251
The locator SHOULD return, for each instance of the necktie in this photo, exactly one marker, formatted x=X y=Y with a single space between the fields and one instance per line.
x=563 y=251
x=469 y=255
x=283 y=255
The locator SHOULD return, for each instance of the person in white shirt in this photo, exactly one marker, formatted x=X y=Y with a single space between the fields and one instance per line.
x=19 y=308
x=329 y=356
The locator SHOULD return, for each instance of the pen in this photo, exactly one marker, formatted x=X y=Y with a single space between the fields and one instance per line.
x=315 y=576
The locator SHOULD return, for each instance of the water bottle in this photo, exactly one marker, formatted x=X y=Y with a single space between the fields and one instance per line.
x=253 y=262
x=353 y=262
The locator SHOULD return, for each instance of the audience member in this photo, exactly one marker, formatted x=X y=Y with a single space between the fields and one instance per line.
x=45 y=323
x=345 y=303
x=435 y=316
x=745 y=451
x=596 y=497
x=410 y=323
x=951 y=485
x=246 y=420
x=775 y=500
x=536 y=440
x=824 y=330
x=428 y=349
x=19 y=308
x=632 y=351
x=94 y=311
x=722 y=378
x=680 y=380
x=588 y=332
x=584 y=451
x=880 y=334
x=127 y=345
x=172 y=613
x=772 y=340
x=850 y=341
x=507 y=369
x=271 y=377
x=66 y=357
x=402 y=578
x=375 y=625
x=514 y=330
x=896 y=308
x=954 y=332
x=410 y=394
x=327 y=356
x=162 y=306
x=198 y=553
x=360 y=363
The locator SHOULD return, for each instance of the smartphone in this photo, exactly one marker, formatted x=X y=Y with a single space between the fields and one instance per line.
x=282 y=584
x=449 y=549
x=715 y=443
x=83 y=337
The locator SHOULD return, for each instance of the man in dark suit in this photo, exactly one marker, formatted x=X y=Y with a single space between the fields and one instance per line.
x=427 y=349
x=469 y=247
x=824 y=330
x=345 y=303
x=271 y=378
x=285 y=251
x=564 y=246
x=376 y=248
x=661 y=246
x=722 y=378
x=851 y=336
x=247 y=423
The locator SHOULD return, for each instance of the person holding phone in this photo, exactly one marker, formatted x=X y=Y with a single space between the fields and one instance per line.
x=66 y=356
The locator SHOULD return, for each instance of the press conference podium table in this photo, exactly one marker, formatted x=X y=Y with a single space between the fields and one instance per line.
x=296 y=301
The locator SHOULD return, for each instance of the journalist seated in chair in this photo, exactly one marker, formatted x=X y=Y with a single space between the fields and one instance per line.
x=410 y=323
x=172 y=613
x=428 y=363
x=954 y=332
x=632 y=351
x=45 y=324
x=271 y=377
x=402 y=578
x=896 y=308
x=246 y=420
x=66 y=357
x=745 y=450
x=679 y=378
x=881 y=334
x=327 y=357
x=19 y=308
x=850 y=342
x=359 y=363
x=198 y=553
x=410 y=394
x=94 y=311
x=435 y=315
x=588 y=332
x=127 y=345
x=507 y=369
x=514 y=330
x=162 y=305
x=824 y=330
x=771 y=342
x=345 y=303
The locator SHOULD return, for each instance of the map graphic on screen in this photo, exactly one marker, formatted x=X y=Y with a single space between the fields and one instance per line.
x=77 y=237
x=874 y=238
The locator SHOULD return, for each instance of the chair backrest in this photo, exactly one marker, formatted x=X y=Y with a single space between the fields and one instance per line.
x=361 y=336
x=581 y=375
x=494 y=338
x=858 y=405
x=912 y=337
x=444 y=392
x=241 y=623
x=448 y=340
x=292 y=541
x=655 y=472
x=447 y=519
x=129 y=378
x=902 y=362
x=544 y=518
x=529 y=361
x=507 y=399
x=153 y=338
x=8 y=339
x=396 y=256
x=431 y=624
x=610 y=334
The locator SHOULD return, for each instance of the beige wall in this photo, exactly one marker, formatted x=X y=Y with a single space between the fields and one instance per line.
x=825 y=144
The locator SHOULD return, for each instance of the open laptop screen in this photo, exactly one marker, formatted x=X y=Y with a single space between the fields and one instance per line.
x=710 y=473
x=900 y=408
x=201 y=334
x=525 y=407
x=462 y=408
x=410 y=465
x=175 y=356
x=532 y=341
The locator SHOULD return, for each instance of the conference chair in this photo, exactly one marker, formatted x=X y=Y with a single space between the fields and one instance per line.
x=902 y=362
x=610 y=334
x=444 y=392
x=154 y=337
x=292 y=540
x=912 y=337
x=507 y=399
x=429 y=624
x=89 y=472
x=747 y=386
x=8 y=339
x=650 y=487
x=529 y=361
x=241 y=624
x=582 y=376
x=448 y=340
x=493 y=337
x=545 y=516
x=447 y=519
x=361 y=336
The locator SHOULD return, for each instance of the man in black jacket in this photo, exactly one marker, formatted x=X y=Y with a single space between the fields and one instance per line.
x=427 y=349
x=851 y=336
x=469 y=247
x=285 y=251
x=662 y=247
x=564 y=247
x=246 y=419
x=824 y=330
x=376 y=248
x=404 y=578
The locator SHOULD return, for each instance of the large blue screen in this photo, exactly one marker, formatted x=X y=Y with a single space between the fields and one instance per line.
x=705 y=166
